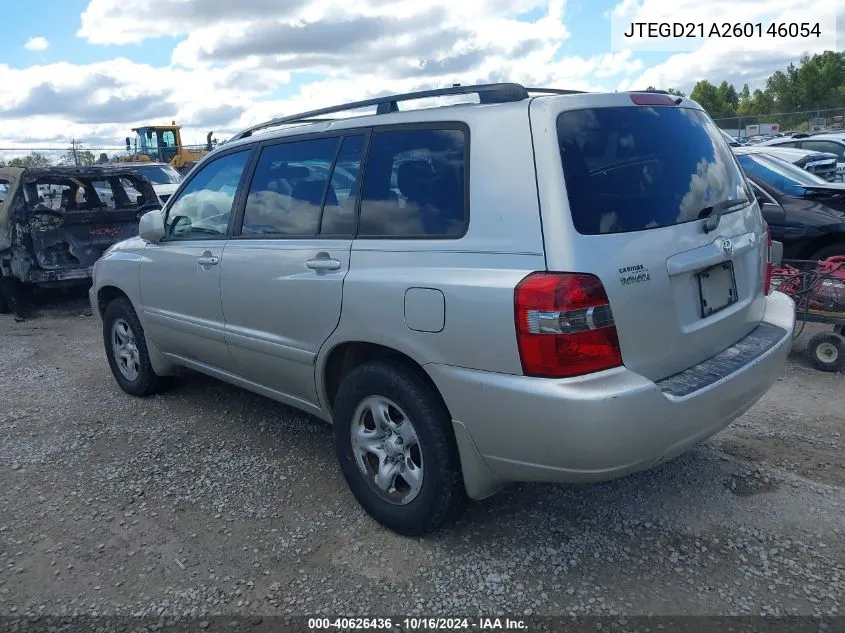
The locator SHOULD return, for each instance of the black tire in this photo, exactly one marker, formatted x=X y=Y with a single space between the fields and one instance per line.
x=13 y=297
x=826 y=351
x=147 y=382
x=441 y=495
x=828 y=251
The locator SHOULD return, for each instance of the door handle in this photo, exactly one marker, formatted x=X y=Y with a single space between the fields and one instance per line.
x=208 y=261
x=323 y=263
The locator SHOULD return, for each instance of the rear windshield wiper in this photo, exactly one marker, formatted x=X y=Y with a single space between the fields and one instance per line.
x=714 y=212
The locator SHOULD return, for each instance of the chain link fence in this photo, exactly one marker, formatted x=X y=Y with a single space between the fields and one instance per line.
x=832 y=119
x=72 y=156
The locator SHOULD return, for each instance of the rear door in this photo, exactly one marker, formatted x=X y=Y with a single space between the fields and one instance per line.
x=625 y=189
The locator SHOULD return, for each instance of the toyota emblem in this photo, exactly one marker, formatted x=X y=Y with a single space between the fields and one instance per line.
x=727 y=247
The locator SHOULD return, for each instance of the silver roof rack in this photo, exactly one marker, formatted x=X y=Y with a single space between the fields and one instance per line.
x=487 y=93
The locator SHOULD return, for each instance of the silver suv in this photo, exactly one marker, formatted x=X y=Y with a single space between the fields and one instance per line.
x=541 y=286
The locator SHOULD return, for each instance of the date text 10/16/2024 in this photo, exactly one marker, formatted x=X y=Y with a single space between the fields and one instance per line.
x=417 y=624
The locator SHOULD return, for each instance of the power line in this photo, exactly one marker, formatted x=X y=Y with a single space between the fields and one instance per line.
x=78 y=148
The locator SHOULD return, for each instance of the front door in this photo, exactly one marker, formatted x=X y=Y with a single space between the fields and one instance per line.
x=282 y=282
x=180 y=275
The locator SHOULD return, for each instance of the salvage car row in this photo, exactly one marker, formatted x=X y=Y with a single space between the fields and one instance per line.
x=55 y=222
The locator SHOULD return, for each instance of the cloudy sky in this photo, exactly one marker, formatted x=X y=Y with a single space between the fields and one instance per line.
x=91 y=69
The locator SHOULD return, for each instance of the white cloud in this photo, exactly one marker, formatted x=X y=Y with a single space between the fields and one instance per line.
x=230 y=61
x=737 y=60
x=36 y=44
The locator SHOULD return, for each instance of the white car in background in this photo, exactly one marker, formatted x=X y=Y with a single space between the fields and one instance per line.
x=820 y=164
x=163 y=176
x=828 y=142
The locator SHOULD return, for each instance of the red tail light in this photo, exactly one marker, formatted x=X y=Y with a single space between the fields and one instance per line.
x=564 y=325
x=767 y=280
x=654 y=99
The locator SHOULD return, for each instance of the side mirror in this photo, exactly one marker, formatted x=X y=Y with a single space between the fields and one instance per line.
x=128 y=144
x=151 y=226
x=777 y=253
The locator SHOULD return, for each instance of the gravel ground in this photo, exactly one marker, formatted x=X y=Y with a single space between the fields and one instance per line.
x=210 y=500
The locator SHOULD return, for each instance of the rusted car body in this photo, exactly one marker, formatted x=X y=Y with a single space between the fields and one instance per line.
x=55 y=222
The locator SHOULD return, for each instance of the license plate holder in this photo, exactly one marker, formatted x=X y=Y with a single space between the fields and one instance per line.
x=717 y=288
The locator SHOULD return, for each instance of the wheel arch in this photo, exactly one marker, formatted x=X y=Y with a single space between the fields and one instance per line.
x=107 y=293
x=342 y=357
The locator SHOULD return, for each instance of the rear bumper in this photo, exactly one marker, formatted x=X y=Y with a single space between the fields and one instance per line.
x=609 y=424
x=72 y=275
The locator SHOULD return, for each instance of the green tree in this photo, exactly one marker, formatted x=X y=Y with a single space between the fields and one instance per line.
x=816 y=83
x=86 y=158
x=76 y=156
x=728 y=97
x=710 y=98
x=33 y=159
x=671 y=91
x=781 y=87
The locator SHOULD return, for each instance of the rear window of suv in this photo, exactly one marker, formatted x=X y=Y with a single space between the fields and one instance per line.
x=637 y=168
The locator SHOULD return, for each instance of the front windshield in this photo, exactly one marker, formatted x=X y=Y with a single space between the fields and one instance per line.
x=160 y=174
x=144 y=143
x=780 y=174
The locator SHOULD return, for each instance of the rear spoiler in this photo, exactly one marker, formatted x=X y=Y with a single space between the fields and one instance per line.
x=821 y=190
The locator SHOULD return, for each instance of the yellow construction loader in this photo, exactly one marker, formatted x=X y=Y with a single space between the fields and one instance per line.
x=163 y=144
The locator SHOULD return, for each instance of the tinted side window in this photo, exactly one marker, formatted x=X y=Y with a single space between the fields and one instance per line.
x=339 y=210
x=414 y=184
x=203 y=207
x=288 y=188
x=826 y=146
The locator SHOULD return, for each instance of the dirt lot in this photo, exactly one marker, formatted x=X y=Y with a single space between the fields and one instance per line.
x=208 y=500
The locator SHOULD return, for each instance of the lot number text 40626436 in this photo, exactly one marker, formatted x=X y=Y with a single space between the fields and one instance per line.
x=417 y=624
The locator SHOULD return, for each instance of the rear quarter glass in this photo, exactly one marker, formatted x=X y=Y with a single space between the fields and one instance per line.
x=644 y=167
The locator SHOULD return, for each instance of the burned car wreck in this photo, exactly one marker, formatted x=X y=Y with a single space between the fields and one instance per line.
x=55 y=222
